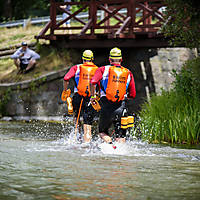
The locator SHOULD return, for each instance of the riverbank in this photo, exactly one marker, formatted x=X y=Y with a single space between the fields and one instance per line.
x=51 y=59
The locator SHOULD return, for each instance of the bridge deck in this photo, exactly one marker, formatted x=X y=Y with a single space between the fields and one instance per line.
x=133 y=22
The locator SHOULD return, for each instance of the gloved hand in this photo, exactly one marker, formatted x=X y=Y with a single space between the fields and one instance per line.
x=65 y=94
x=92 y=99
x=97 y=96
x=95 y=103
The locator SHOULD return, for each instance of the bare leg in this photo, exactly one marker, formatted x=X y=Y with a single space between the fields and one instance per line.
x=105 y=138
x=65 y=31
x=30 y=65
x=17 y=63
x=120 y=140
x=87 y=133
x=69 y=31
x=77 y=128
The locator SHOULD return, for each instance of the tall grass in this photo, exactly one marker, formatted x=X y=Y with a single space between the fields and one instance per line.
x=174 y=116
x=14 y=36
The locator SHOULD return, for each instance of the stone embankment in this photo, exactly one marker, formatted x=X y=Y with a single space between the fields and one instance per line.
x=151 y=69
x=35 y=98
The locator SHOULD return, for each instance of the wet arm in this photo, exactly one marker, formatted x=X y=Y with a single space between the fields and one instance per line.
x=96 y=80
x=92 y=89
x=65 y=85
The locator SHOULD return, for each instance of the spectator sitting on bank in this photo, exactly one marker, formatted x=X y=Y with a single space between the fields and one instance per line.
x=25 y=58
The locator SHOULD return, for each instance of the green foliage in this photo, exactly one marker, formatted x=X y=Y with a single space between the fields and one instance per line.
x=53 y=54
x=4 y=98
x=188 y=81
x=20 y=9
x=171 y=118
x=76 y=7
x=23 y=9
x=174 y=116
x=183 y=18
x=17 y=36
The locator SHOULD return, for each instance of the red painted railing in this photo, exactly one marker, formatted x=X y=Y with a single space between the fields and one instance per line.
x=119 y=19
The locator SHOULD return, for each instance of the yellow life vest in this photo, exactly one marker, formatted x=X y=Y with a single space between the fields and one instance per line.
x=116 y=87
x=87 y=71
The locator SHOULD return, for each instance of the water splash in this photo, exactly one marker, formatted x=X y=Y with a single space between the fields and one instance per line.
x=51 y=137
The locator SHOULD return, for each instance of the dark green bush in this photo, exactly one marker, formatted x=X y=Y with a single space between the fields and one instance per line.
x=4 y=98
x=188 y=80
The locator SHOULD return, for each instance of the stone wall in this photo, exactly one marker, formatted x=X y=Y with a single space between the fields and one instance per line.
x=151 y=69
x=165 y=61
x=37 y=97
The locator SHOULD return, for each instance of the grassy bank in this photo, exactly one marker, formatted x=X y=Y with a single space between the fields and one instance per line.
x=174 y=116
x=14 y=36
x=51 y=58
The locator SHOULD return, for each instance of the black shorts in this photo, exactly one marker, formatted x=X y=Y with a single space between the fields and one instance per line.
x=23 y=66
x=111 y=113
x=87 y=111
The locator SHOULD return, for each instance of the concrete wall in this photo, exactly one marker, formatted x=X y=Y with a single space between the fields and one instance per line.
x=151 y=69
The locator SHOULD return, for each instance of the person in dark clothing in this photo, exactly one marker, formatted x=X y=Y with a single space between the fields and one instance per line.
x=82 y=73
x=116 y=82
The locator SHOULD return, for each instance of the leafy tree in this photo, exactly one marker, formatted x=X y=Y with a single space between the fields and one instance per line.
x=183 y=22
x=12 y=9
x=20 y=9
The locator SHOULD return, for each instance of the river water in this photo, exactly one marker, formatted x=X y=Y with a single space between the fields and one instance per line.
x=41 y=161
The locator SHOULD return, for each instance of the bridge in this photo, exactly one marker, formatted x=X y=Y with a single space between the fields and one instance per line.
x=122 y=23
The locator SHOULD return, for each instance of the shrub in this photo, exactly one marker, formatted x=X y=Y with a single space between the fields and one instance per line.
x=174 y=116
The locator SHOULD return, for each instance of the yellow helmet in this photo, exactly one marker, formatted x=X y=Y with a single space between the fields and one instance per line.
x=87 y=55
x=115 y=53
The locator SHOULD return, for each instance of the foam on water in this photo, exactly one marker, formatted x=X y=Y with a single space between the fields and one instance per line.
x=51 y=139
x=47 y=161
x=121 y=148
x=97 y=147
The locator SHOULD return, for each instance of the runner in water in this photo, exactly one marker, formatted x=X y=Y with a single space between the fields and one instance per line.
x=82 y=74
x=116 y=82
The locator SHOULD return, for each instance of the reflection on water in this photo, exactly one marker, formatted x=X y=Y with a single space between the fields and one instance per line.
x=41 y=161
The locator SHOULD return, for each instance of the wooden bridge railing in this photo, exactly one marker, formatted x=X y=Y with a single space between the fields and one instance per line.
x=119 y=19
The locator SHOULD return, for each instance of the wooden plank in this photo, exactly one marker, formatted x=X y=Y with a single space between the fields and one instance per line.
x=125 y=26
x=44 y=30
x=86 y=27
x=110 y=15
x=126 y=22
x=74 y=14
